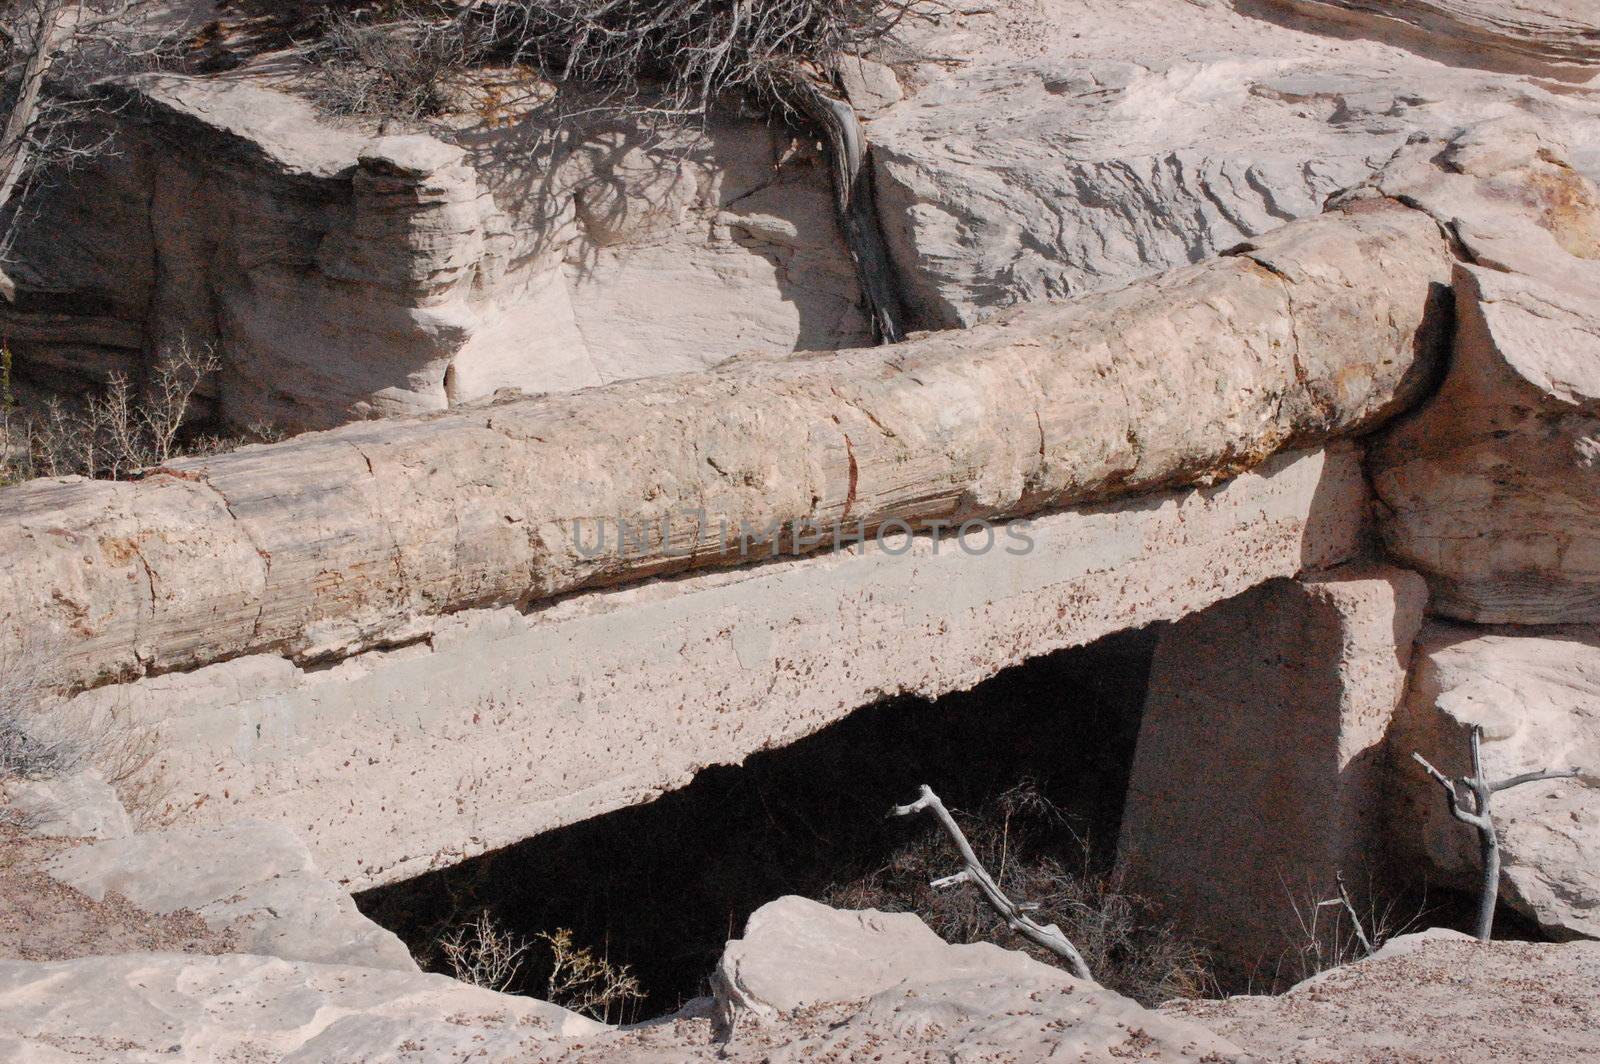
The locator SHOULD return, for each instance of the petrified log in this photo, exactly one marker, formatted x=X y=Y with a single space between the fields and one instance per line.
x=358 y=537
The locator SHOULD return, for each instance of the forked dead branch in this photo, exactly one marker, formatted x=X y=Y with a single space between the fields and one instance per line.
x=1480 y=790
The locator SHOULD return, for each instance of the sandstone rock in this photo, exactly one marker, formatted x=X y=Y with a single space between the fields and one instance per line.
x=343 y=275
x=1432 y=996
x=914 y=987
x=1492 y=489
x=1082 y=143
x=330 y=542
x=82 y=805
x=1560 y=37
x=138 y=1007
x=1537 y=697
x=1259 y=772
x=502 y=724
x=796 y=953
x=869 y=86
x=255 y=878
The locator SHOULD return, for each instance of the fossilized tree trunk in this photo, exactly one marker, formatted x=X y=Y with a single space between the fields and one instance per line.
x=358 y=537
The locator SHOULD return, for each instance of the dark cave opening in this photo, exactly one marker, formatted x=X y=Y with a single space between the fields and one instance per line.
x=662 y=886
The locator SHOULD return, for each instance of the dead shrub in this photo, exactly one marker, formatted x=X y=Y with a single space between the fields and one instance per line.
x=1329 y=929
x=1020 y=838
x=399 y=67
x=584 y=983
x=29 y=748
x=670 y=61
x=484 y=953
x=119 y=432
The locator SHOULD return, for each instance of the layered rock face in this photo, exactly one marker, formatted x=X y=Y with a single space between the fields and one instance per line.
x=1557 y=37
x=1078 y=145
x=1082 y=143
x=1486 y=490
x=344 y=275
x=1492 y=489
x=340 y=276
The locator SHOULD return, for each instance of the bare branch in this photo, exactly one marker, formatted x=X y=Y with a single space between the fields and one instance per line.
x=1452 y=796
x=1535 y=777
x=1048 y=936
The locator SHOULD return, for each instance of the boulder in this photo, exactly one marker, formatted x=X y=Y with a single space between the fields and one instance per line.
x=331 y=542
x=1492 y=488
x=1259 y=773
x=1433 y=996
x=1537 y=696
x=255 y=878
x=909 y=989
x=82 y=805
x=139 y=1007
x=797 y=953
x=1554 y=37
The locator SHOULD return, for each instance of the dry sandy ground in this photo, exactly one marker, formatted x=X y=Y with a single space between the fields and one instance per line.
x=1439 y=998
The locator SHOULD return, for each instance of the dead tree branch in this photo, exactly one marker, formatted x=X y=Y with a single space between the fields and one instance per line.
x=1350 y=911
x=52 y=54
x=1479 y=789
x=1048 y=936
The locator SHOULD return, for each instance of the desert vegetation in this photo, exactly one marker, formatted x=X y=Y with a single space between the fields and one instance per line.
x=118 y=431
x=41 y=738
x=484 y=953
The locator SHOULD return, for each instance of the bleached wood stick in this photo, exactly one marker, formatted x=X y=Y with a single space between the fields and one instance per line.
x=1047 y=935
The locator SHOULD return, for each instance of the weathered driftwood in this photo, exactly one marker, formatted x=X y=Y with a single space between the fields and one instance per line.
x=338 y=541
x=1477 y=817
x=1016 y=917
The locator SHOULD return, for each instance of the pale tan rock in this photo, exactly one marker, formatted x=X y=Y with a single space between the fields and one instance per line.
x=1075 y=145
x=342 y=274
x=797 y=953
x=1492 y=488
x=1433 y=996
x=1259 y=773
x=82 y=805
x=868 y=85
x=1560 y=37
x=253 y=878
x=503 y=724
x=1537 y=695
x=138 y=1007
x=354 y=538
x=914 y=988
